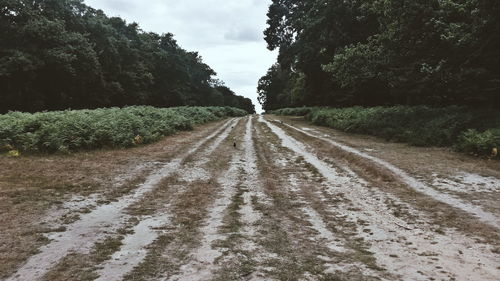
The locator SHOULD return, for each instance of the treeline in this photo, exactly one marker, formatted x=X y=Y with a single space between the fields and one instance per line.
x=383 y=52
x=60 y=54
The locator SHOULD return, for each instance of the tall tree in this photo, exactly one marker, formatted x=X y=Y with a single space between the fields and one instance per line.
x=59 y=54
x=379 y=52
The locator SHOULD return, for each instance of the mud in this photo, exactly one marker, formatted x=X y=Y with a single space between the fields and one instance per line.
x=202 y=264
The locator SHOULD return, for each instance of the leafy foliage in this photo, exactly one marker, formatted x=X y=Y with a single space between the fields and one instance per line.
x=383 y=52
x=60 y=54
x=72 y=130
x=468 y=130
x=479 y=143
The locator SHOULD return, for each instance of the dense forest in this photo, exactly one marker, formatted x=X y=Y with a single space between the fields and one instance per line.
x=383 y=52
x=60 y=54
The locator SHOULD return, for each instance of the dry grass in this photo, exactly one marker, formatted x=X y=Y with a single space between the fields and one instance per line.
x=81 y=267
x=289 y=234
x=189 y=209
x=442 y=214
x=33 y=185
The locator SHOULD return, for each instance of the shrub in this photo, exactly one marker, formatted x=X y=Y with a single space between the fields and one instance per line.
x=72 y=130
x=468 y=130
x=477 y=143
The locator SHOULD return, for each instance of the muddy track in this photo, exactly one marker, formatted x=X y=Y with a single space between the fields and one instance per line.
x=396 y=239
x=477 y=211
x=264 y=199
x=84 y=233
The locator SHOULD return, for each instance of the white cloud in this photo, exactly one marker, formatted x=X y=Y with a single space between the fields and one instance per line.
x=226 y=33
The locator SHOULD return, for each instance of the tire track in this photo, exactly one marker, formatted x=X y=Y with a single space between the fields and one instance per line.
x=242 y=165
x=84 y=233
x=419 y=186
x=252 y=182
x=415 y=253
x=244 y=257
x=203 y=258
x=342 y=255
x=316 y=220
x=133 y=252
x=295 y=238
x=292 y=183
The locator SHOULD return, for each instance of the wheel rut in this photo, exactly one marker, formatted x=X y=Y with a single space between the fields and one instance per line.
x=83 y=234
x=259 y=199
x=405 y=248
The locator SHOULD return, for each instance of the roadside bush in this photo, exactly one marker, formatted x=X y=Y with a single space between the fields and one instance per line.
x=72 y=130
x=468 y=130
x=477 y=143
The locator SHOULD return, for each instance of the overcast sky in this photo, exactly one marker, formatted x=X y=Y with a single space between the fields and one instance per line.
x=226 y=33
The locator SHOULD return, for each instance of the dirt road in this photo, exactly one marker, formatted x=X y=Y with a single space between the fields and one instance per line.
x=289 y=202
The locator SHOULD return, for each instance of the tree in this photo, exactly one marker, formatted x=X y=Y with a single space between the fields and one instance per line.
x=60 y=54
x=382 y=52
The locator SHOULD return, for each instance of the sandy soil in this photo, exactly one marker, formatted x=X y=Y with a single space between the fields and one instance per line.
x=252 y=198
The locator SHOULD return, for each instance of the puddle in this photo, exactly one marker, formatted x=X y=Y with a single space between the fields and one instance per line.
x=79 y=202
x=122 y=179
x=75 y=205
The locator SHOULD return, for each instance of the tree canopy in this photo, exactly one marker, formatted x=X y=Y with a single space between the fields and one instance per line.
x=383 y=52
x=59 y=54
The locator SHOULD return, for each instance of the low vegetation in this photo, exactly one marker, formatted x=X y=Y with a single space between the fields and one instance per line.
x=472 y=131
x=73 y=130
